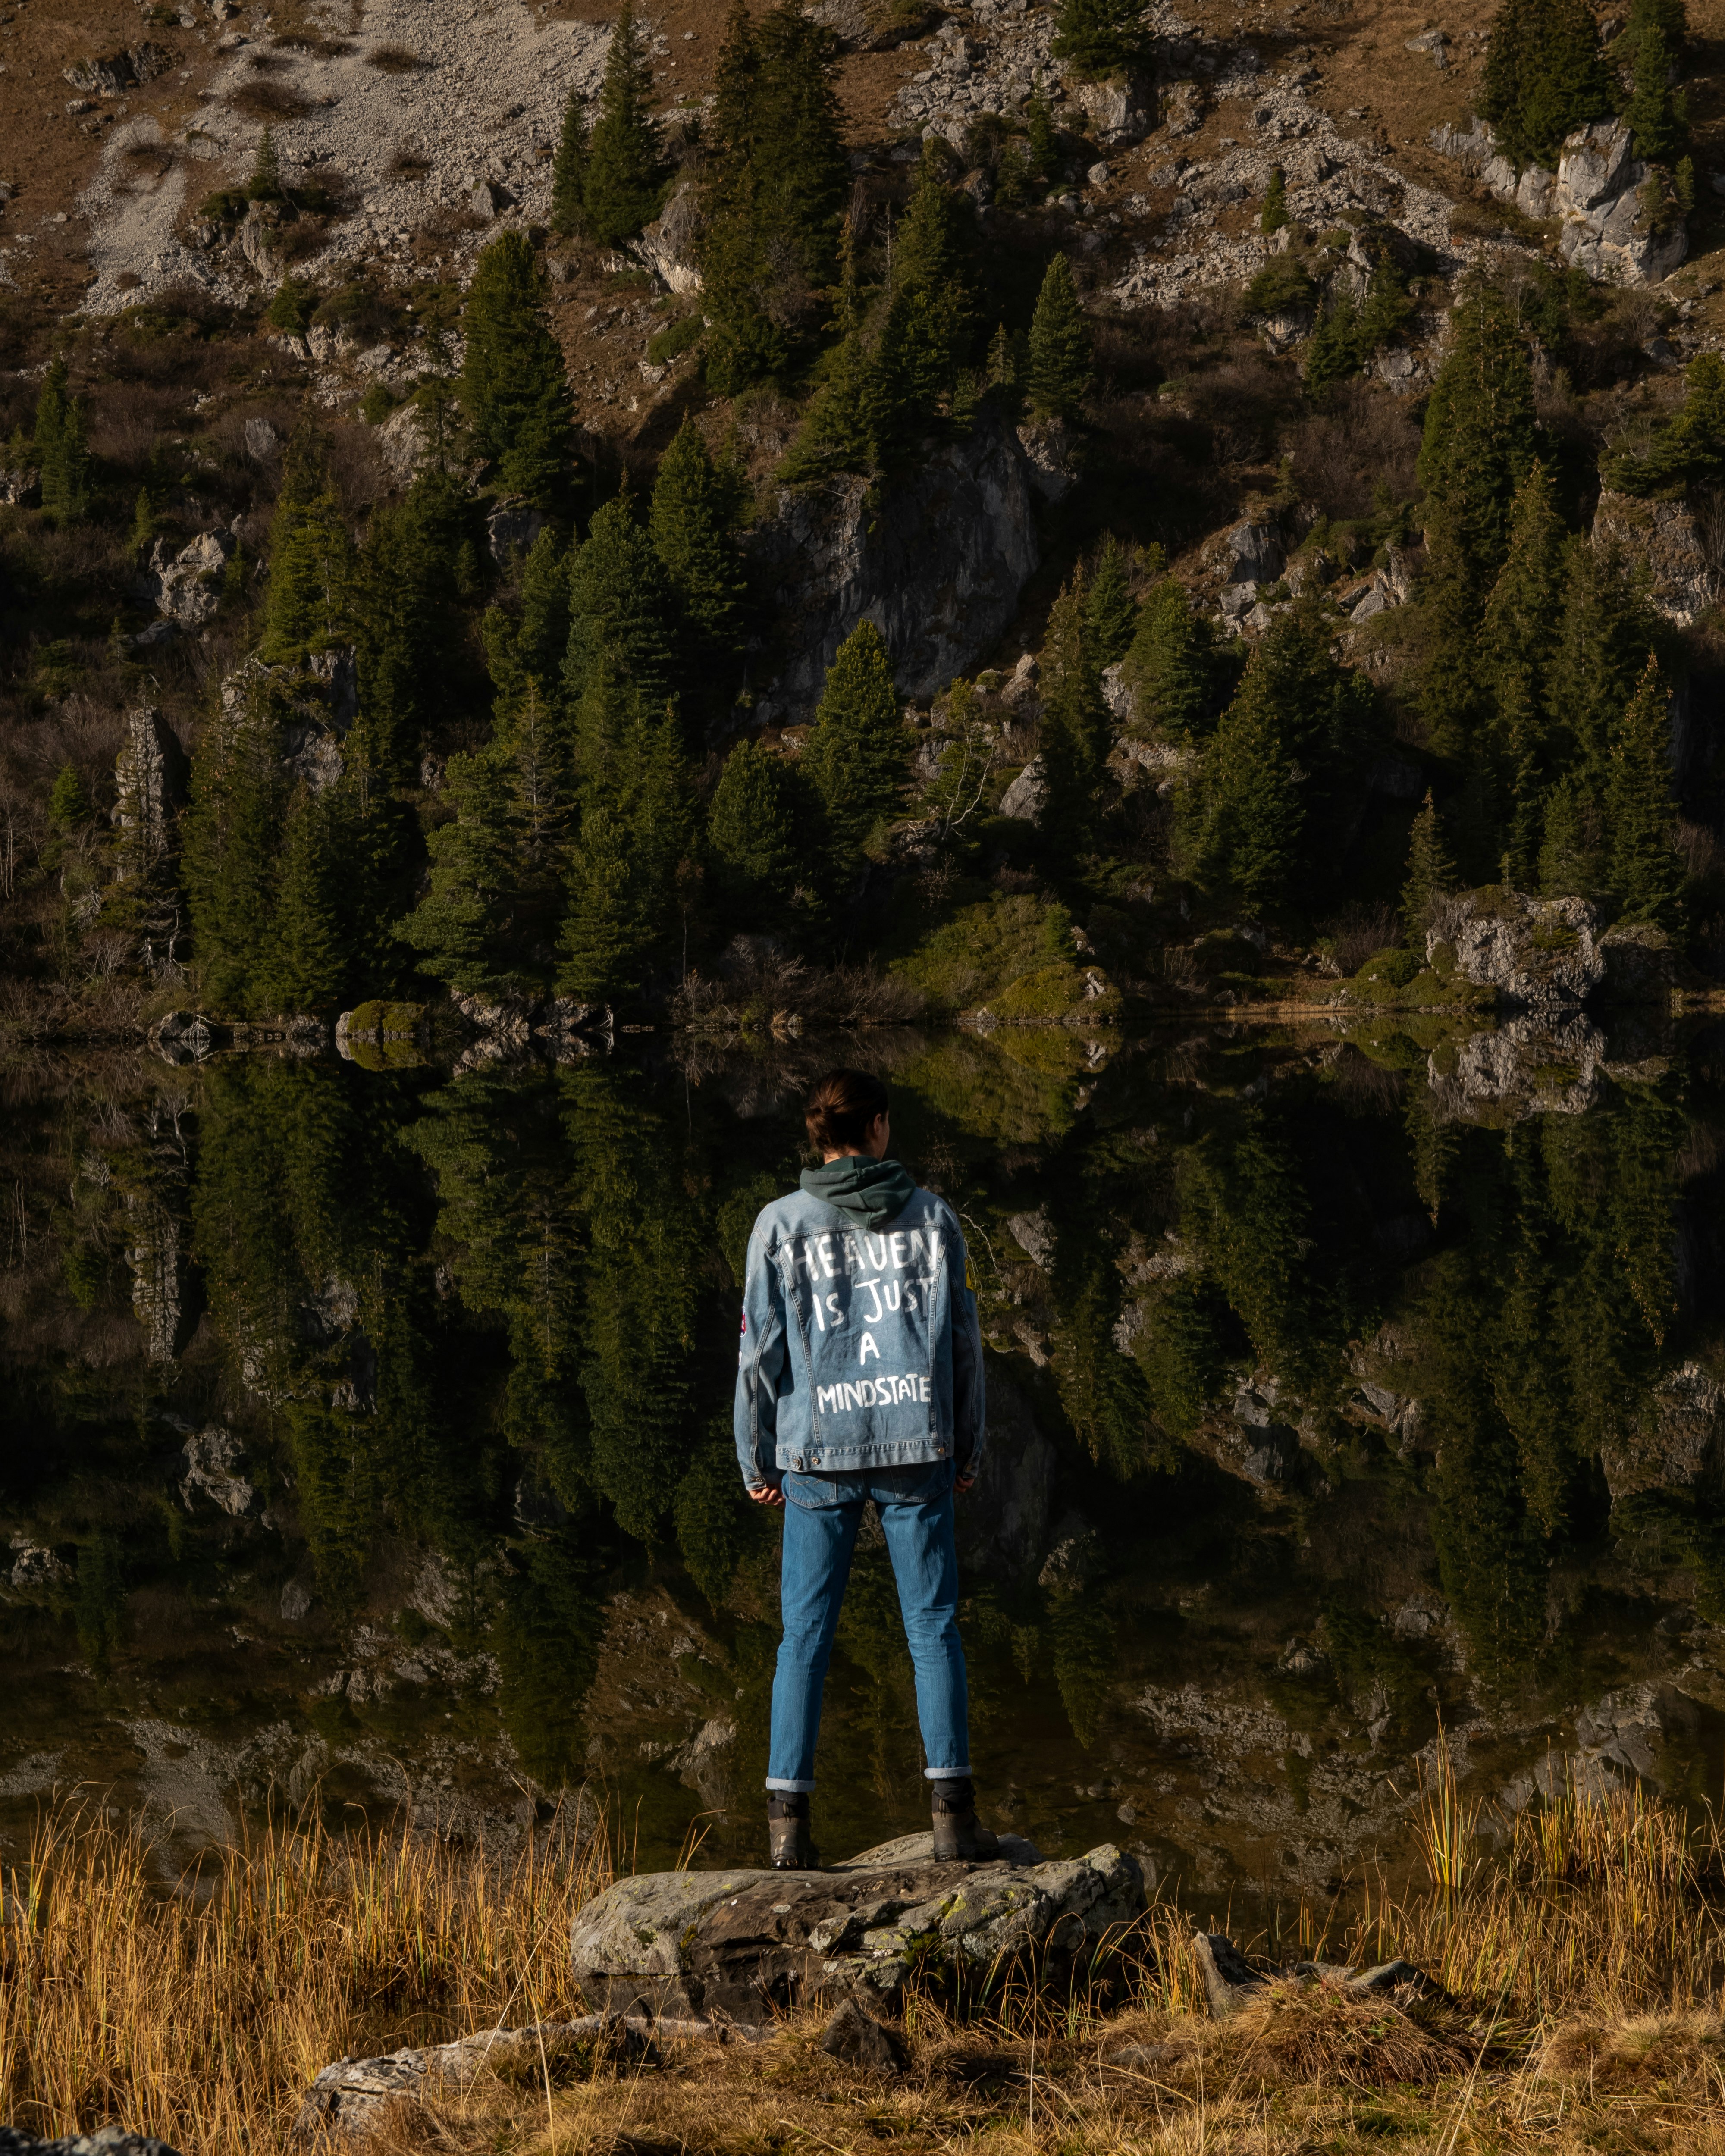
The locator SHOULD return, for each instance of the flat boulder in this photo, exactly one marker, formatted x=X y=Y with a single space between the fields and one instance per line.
x=738 y=1946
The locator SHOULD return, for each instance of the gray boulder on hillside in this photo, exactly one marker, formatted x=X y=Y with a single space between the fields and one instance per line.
x=740 y=1944
x=1536 y=953
x=938 y=566
x=1682 y=582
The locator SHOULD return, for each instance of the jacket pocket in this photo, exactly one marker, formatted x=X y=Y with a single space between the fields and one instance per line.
x=822 y=1493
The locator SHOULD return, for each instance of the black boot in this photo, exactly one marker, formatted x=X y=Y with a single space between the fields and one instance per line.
x=957 y=1838
x=787 y=1832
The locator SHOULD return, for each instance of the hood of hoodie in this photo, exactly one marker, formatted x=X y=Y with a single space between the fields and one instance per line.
x=870 y=1192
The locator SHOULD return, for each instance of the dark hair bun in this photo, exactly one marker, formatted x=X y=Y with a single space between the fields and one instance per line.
x=841 y=1109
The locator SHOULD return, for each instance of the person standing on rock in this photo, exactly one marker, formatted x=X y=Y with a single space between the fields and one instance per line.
x=860 y=1376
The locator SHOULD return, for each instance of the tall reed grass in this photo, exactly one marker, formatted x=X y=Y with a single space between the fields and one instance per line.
x=1594 y=1931
x=201 y=2015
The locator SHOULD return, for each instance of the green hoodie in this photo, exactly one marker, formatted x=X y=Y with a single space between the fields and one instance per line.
x=870 y=1192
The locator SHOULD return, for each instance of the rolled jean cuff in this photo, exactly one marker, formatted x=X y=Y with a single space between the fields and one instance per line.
x=939 y=1774
x=789 y=1789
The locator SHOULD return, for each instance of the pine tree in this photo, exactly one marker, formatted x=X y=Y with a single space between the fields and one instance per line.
x=692 y=526
x=777 y=180
x=1073 y=733
x=1523 y=619
x=1429 y=874
x=625 y=872
x=1239 y=822
x=69 y=807
x=1646 y=870
x=1060 y=369
x=623 y=180
x=303 y=966
x=1301 y=720
x=143 y=526
x=1609 y=627
x=312 y=587
x=568 y=170
x=759 y=828
x=233 y=829
x=858 y=751
x=1111 y=612
x=460 y=926
x=1544 y=76
x=264 y=184
x=544 y=640
x=1332 y=351
x=1572 y=853
x=413 y=664
x=1098 y=37
x=1274 y=216
x=620 y=607
x=1006 y=369
x=1655 y=113
x=514 y=389
x=58 y=449
x=1689 y=445
x=1172 y=666
x=1477 y=446
x=1040 y=141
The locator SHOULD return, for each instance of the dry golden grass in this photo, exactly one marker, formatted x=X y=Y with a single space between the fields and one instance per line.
x=1586 y=1963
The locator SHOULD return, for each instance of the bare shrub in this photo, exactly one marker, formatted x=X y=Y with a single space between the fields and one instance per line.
x=1359 y=932
x=273 y=103
x=760 y=987
x=1363 y=438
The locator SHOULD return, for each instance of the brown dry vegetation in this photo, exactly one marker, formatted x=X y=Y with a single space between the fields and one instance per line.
x=1585 y=1962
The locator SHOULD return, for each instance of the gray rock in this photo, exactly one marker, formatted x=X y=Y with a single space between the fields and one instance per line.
x=937 y=565
x=741 y=1944
x=1640 y=964
x=1662 y=534
x=1549 y=1061
x=149 y=775
x=106 y=2141
x=296 y=1602
x=1256 y=551
x=1120 y=113
x=668 y=247
x=35 y=1565
x=860 y=2039
x=182 y=1037
x=213 y=1457
x=1229 y=1980
x=402 y=440
x=1434 y=43
x=1034 y=1234
x=1028 y=794
x=1595 y=191
x=182 y=587
x=1536 y=953
x=261 y=440
x=20 y=489
x=511 y=527
x=1051 y=449
x=347 y=2100
x=1076 y=1554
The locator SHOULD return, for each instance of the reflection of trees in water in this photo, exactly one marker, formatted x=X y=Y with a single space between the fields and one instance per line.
x=497 y=1317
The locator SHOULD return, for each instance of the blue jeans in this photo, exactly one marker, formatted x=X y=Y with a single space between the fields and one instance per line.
x=822 y=1514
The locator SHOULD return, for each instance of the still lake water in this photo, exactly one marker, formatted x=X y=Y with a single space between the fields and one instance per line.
x=365 y=1439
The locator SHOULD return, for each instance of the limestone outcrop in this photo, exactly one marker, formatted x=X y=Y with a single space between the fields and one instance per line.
x=1661 y=535
x=150 y=776
x=182 y=587
x=735 y=1945
x=937 y=565
x=1608 y=230
x=1537 y=953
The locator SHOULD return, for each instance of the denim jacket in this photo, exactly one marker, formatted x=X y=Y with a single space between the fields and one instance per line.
x=860 y=1349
